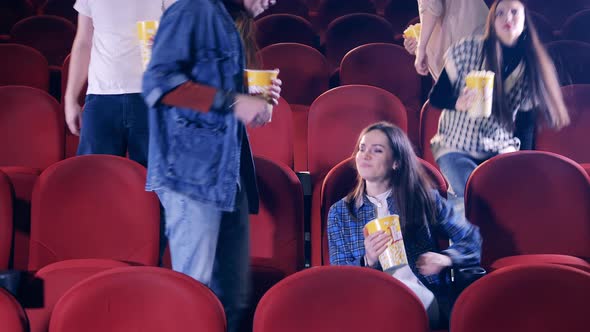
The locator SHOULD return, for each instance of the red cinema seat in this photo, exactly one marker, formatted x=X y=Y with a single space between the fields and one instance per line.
x=539 y=298
x=275 y=139
x=303 y=70
x=284 y=28
x=530 y=202
x=94 y=206
x=59 y=277
x=350 y=31
x=51 y=35
x=12 y=315
x=23 y=65
x=340 y=298
x=147 y=299
x=391 y=68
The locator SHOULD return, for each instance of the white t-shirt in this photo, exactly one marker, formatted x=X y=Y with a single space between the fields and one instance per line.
x=115 y=59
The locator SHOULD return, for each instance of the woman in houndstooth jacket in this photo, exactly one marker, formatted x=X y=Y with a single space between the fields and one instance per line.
x=525 y=84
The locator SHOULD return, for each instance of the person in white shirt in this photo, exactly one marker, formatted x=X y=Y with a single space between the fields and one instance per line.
x=444 y=22
x=106 y=53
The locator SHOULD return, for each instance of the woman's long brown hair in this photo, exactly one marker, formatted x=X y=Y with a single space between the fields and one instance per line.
x=247 y=29
x=410 y=185
x=539 y=72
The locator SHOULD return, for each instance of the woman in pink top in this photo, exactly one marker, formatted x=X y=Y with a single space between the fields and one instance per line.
x=444 y=22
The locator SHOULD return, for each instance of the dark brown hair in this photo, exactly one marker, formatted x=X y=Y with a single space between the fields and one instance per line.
x=247 y=29
x=539 y=72
x=410 y=185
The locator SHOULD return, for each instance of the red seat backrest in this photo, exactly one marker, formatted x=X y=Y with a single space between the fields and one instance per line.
x=304 y=71
x=94 y=206
x=340 y=298
x=12 y=315
x=51 y=35
x=284 y=28
x=31 y=128
x=58 y=278
x=276 y=232
x=548 y=297
x=338 y=116
x=391 y=68
x=350 y=31
x=23 y=65
x=530 y=202
x=275 y=139
x=149 y=299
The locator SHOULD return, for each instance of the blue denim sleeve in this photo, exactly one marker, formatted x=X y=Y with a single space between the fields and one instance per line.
x=337 y=242
x=172 y=57
x=466 y=241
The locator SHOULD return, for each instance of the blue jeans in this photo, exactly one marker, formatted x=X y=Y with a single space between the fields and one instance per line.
x=212 y=247
x=116 y=125
x=456 y=168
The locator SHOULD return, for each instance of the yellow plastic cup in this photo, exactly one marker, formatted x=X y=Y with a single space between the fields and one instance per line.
x=259 y=82
x=413 y=31
x=395 y=254
x=146 y=30
x=483 y=82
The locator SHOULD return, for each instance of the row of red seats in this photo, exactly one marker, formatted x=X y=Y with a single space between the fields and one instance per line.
x=277 y=28
x=13 y=11
x=386 y=66
x=97 y=296
x=285 y=139
x=327 y=190
x=523 y=167
x=53 y=35
x=96 y=207
x=294 y=127
x=84 y=207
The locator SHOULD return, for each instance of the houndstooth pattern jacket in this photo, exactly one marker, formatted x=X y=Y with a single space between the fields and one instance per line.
x=479 y=137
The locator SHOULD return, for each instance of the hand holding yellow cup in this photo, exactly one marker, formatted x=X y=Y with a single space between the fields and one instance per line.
x=395 y=254
x=413 y=31
x=146 y=31
x=259 y=82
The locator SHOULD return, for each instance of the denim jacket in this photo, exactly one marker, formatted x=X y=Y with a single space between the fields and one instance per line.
x=346 y=239
x=198 y=153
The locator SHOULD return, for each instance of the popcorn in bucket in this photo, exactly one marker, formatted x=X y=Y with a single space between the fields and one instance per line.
x=395 y=254
x=259 y=82
x=413 y=31
x=146 y=30
x=483 y=82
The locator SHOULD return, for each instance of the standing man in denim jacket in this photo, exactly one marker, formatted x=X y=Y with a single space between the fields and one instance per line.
x=200 y=163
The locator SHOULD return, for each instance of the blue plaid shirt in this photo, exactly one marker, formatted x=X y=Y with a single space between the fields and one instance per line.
x=346 y=239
